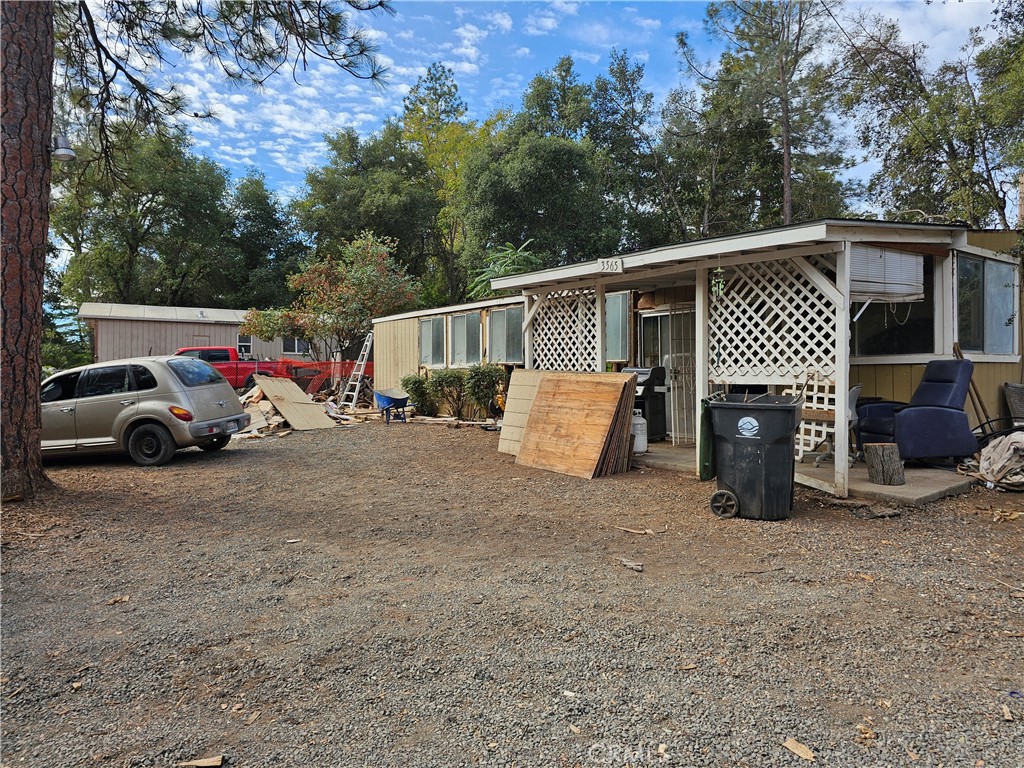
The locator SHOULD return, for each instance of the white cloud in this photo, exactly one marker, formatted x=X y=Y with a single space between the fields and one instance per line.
x=463 y=67
x=522 y=53
x=471 y=34
x=505 y=88
x=375 y=36
x=587 y=56
x=500 y=21
x=595 y=33
x=942 y=26
x=468 y=52
x=540 y=24
x=648 y=25
x=565 y=7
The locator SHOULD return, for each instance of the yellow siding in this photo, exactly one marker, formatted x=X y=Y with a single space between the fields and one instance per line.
x=897 y=382
x=396 y=352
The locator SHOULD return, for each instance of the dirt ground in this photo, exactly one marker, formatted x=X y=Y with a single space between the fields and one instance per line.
x=209 y=607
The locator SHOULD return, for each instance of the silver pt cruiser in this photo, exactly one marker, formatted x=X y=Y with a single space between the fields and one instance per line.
x=148 y=407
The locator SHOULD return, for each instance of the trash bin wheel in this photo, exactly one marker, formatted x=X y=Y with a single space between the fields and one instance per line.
x=724 y=504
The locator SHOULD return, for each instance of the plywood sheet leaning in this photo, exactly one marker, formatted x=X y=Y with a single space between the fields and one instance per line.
x=618 y=448
x=294 y=404
x=522 y=389
x=576 y=425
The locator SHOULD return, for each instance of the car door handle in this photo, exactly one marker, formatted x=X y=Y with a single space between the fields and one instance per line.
x=69 y=409
x=127 y=402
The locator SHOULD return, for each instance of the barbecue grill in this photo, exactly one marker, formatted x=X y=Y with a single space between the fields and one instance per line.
x=650 y=399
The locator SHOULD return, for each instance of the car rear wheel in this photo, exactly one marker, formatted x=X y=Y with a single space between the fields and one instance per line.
x=250 y=382
x=151 y=445
x=216 y=444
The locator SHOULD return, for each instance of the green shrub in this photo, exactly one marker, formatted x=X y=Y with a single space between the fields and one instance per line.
x=448 y=386
x=482 y=384
x=416 y=386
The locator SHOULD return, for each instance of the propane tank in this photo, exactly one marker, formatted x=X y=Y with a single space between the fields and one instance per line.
x=638 y=426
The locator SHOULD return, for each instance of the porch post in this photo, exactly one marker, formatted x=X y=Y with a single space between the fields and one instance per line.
x=528 y=330
x=841 y=438
x=701 y=344
x=600 y=358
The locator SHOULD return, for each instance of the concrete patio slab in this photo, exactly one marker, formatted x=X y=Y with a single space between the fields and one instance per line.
x=924 y=484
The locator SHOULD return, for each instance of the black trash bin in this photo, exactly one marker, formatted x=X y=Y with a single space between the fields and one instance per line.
x=754 y=440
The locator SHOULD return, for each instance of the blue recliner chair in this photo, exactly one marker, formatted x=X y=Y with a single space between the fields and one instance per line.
x=933 y=424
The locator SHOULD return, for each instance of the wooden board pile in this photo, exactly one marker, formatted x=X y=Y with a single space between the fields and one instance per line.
x=278 y=406
x=573 y=423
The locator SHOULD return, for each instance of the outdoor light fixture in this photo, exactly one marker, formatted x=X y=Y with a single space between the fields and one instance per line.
x=61 y=149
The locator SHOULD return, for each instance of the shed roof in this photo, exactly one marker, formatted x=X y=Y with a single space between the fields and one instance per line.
x=921 y=237
x=500 y=301
x=101 y=311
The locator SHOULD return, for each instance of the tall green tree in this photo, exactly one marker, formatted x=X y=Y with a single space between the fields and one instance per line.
x=635 y=170
x=337 y=297
x=153 y=233
x=380 y=183
x=262 y=248
x=434 y=121
x=540 y=179
x=67 y=341
x=948 y=139
x=773 y=64
x=557 y=104
x=248 y=41
x=725 y=163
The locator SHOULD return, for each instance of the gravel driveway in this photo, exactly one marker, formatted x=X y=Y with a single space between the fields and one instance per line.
x=407 y=596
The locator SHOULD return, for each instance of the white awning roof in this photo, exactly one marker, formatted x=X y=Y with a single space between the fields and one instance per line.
x=634 y=268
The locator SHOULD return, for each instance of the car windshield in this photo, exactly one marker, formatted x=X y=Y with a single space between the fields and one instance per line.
x=194 y=373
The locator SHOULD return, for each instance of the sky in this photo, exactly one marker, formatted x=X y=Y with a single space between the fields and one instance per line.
x=494 y=49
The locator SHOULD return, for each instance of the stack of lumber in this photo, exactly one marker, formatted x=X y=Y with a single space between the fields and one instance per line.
x=277 y=406
x=572 y=423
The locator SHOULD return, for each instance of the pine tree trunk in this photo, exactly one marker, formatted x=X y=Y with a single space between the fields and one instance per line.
x=26 y=121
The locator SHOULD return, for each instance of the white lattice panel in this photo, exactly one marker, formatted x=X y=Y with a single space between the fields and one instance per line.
x=772 y=325
x=565 y=332
x=819 y=394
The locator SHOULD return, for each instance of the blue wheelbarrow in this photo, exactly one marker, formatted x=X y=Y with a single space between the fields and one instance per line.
x=392 y=404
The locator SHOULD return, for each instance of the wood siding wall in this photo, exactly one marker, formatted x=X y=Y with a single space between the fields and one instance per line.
x=897 y=382
x=396 y=352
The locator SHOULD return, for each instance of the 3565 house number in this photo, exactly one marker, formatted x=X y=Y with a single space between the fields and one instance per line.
x=609 y=265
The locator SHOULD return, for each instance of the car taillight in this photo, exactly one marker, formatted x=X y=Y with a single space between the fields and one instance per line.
x=180 y=413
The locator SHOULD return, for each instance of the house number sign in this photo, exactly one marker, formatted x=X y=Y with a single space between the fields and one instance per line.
x=609 y=265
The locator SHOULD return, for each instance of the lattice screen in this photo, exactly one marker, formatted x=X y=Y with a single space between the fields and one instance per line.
x=773 y=325
x=818 y=394
x=565 y=332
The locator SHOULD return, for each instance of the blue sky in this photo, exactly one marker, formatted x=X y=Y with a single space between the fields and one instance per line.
x=494 y=49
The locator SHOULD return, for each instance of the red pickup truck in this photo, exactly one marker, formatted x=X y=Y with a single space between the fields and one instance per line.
x=239 y=371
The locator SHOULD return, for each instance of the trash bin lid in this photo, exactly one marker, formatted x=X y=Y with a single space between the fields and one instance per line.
x=757 y=401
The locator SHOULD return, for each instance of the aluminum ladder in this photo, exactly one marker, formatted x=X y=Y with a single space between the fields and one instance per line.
x=350 y=396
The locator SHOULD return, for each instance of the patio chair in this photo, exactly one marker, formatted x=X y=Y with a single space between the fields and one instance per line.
x=1015 y=401
x=933 y=424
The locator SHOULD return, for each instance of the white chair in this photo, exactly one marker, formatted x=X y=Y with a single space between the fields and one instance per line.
x=852 y=425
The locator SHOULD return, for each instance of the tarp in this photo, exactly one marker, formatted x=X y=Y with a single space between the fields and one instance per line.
x=1000 y=462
